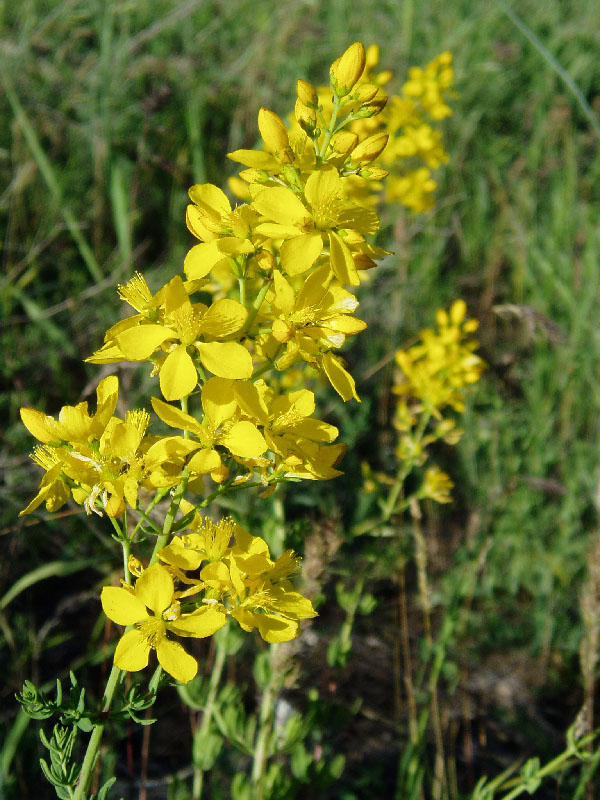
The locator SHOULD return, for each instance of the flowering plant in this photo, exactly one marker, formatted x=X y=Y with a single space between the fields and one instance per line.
x=262 y=291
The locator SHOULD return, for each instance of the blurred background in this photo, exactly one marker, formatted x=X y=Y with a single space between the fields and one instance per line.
x=109 y=112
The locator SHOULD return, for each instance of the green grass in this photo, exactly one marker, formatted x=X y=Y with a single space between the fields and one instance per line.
x=110 y=111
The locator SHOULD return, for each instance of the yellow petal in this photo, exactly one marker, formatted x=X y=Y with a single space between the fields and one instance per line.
x=210 y=199
x=342 y=261
x=276 y=629
x=223 y=318
x=39 y=425
x=315 y=430
x=174 y=660
x=138 y=344
x=204 y=461
x=314 y=288
x=244 y=440
x=174 y=416
x=340 y=379
x=251 y=400
x=132 y=652
x=281 y=205
x=226 y=359
x=292 y=604
x=201 y=259
x=323 y=188
x=285 y=298
x=300 y=253
x=121 y=606
x=295 y=404
x=75 y=423
x=107 y=393
x=196 y=224
x=168 y=448
x=200 y=624
x=178 y=375
x=155 y=588
x=347 y=69
x=218 y=400
x=244 y=617
x=256 y=159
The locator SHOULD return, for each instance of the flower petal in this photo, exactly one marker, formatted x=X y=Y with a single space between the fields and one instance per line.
x=174 y=660
x=122 y=606
x=132 y=652
x=276 y=629
x=281 y=205
x=178 y=376
x=244 y=440
x=138 y=344
x=300 y=253
x=201 y=623
x=155 y=588
x=201 y=259
x=226 y=359
x=342 y=261
x=218 y=400
x=223 y=317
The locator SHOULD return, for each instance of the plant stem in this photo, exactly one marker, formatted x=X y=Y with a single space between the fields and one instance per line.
x=265 y=723
x=94 y=742
x=163 y=538
x=207 y=714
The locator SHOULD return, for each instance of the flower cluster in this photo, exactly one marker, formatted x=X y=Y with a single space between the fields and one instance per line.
x=435 y=375
x=405 y=127
x=221 y=570
x=262 y=297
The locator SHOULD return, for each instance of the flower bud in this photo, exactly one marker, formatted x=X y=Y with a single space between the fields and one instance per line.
x=344 y=142
x=307 y=93
x=306 y=117
x=366 y=92
x=346 y=70
x=362 y=261
x=373 y=173
x=274 y=134
x=369 y=149
x=371 y=109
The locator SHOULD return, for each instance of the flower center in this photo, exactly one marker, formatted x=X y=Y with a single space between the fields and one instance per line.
x=153 y=630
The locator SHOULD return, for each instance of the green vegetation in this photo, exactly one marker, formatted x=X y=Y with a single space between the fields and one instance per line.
x=110 y=111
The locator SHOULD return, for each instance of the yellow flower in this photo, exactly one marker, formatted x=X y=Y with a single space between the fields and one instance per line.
x=437 y=485
x=183 y=330
x=306 y=226
x=313 y=322
x=220 y=425
x=300 y=444
x=153 y=612
x=438 y=371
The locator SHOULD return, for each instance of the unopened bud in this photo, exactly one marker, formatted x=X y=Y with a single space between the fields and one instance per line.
x=344 y=142
x=373 y=173
x=366 y=92
x=274 y=134
x=346 y=70
x=372 y=108
x=306 y=117
x=307 y=93
x=369 y=149
x=362 y=261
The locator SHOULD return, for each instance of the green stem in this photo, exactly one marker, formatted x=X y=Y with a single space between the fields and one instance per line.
x=265 y=722
x=163 y=538
x=256 y=305
x=330 y=128
x=207 y=714
x=94 y=742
